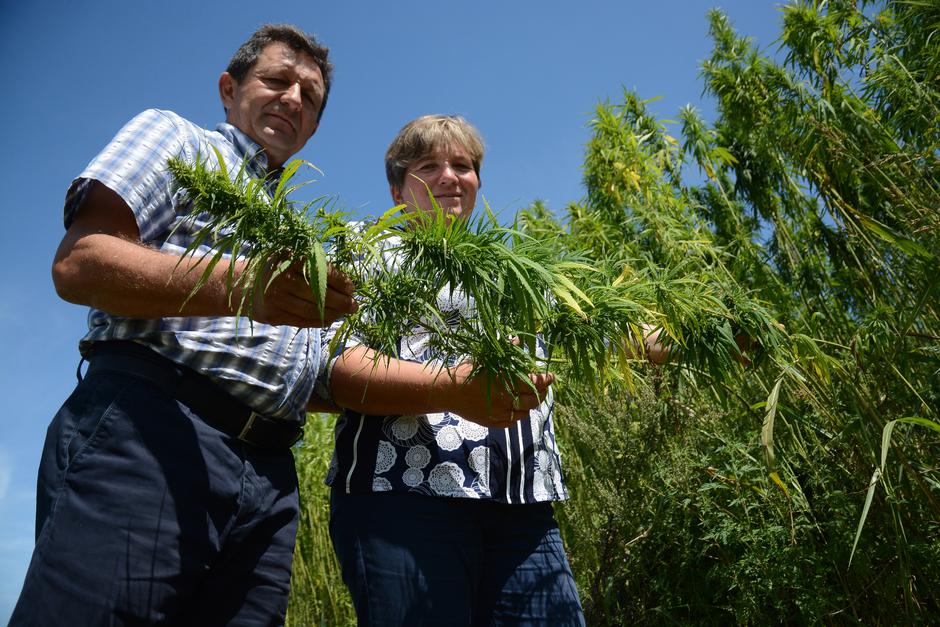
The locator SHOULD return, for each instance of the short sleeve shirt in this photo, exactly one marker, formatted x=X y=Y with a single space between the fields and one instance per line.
x=271 y=369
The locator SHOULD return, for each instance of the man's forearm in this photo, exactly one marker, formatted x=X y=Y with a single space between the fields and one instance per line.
x=102 y=263
x=126 y=278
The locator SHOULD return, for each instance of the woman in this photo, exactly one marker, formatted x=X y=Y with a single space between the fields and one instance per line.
x=441 y=493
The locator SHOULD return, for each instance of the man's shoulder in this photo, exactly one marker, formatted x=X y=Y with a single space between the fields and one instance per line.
x=165 y=131
x=164 y=122
x=162 y=116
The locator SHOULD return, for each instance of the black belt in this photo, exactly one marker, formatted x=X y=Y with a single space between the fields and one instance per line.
x=208 y=401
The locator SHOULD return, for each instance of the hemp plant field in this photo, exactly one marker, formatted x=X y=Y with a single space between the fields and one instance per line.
x=802 y=226
x=804 y=489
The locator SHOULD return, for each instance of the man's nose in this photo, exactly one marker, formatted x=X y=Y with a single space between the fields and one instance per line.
x=292 y=96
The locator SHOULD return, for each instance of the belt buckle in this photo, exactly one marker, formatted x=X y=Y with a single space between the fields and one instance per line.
x=243 y=434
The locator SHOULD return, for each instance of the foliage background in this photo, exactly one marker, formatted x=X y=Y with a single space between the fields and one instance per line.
x=708 y=493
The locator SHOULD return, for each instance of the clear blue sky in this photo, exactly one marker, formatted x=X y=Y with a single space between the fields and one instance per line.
x=528 y=73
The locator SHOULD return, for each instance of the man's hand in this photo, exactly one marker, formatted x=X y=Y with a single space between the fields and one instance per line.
x=745 y=344
x=290 y=299
x=490 y=403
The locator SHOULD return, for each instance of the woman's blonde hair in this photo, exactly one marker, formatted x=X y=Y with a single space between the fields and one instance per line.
x=424 y=135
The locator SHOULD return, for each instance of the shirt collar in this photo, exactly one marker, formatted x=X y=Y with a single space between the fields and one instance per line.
x=249 y=149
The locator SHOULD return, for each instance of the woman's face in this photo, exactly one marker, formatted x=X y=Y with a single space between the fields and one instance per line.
x=449 y=175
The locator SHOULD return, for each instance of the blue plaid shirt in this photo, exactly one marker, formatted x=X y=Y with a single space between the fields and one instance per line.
x=443 y=454
x=272 y=369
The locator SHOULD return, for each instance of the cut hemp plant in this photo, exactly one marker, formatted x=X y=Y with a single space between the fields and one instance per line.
x=407 y=268
x=253 y=219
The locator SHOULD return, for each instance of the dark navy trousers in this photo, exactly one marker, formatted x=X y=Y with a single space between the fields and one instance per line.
x=410 y=559
x=146 y=515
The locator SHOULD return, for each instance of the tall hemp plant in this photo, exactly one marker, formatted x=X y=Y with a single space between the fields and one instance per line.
x=806 y=486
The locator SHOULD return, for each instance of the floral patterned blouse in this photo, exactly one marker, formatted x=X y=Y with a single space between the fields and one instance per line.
x=442 y=454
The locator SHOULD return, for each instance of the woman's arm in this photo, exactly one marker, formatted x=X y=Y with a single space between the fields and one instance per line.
x=369 y=382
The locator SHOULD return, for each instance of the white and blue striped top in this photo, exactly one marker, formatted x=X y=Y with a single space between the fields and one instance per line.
x=442 y=454
x=272 y=369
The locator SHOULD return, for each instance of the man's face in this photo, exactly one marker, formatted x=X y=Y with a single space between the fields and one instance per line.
x=277 y=102
x=449 y=175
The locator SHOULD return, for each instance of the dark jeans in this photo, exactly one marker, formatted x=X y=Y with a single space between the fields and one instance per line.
x=146 y=515
x=410 y=559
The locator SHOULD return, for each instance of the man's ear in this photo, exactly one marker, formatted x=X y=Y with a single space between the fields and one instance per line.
x=396 y=195
x=227 y=86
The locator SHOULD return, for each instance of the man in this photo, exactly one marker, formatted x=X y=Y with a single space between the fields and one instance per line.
x=167 y=490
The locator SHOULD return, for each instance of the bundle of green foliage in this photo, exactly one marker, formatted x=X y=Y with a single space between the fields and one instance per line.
x=589 y=315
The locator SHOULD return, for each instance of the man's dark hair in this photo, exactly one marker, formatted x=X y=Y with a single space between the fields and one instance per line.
x=247 y=54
